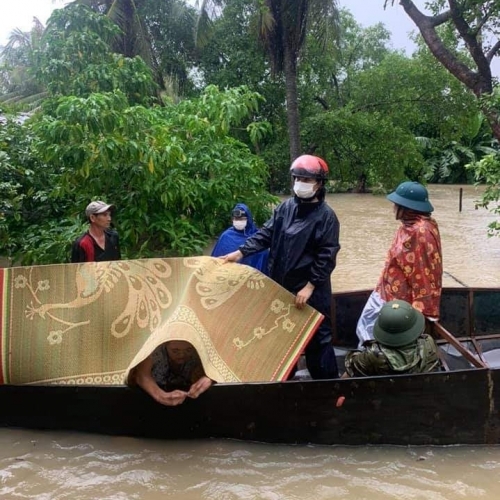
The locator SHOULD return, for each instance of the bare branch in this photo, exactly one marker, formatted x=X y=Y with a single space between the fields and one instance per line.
x=322 y=101
x=471 y=40
x=481 y=23
x=440 y=18
x=426 y=26
x=493 y=51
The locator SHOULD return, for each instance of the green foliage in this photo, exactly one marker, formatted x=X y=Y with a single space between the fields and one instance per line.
x=33 y=225
x=487 y=170
x=161 y=33
x=364 y=148
x=173 y=172
x=277 y=159
x=448 y=160
x=327 y=74
x=18 y=87
x=282 y=26
x=78 y=58
x=170 y=25
x=417 y=94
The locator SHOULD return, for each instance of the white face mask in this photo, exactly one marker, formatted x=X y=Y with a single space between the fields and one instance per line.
x=304 y=189
x=240 y=225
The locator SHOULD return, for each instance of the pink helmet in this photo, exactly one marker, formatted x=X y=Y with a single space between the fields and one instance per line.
x=309 y=166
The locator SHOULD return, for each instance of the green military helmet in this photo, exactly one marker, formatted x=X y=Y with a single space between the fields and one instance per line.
x=411 y=195
x=398 y=324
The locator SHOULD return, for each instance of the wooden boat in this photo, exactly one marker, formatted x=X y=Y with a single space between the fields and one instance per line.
x=460 y=404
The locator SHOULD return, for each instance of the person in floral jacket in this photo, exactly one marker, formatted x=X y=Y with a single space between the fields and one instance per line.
x=414 y=266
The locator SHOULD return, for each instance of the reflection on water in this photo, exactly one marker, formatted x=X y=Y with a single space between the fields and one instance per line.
x=367 y=223
x=56 y=466
x=80 y=467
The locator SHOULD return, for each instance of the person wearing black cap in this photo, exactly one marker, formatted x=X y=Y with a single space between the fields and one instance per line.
x=231 y=239
x=400 y=345
x=100 y=242
x=413 y=269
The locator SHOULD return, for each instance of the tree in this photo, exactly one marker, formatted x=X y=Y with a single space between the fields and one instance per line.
x=487 y=170
x=78 y=58
x=161 y=33
x=133 y=38
x=473 y=23
x=175 y=170
x=18 y=85
x=170 y=25
x=363 y=149
x=327 y=73
x=282 y=28
x=418 y=95
x=449 y=159
x=413 y=95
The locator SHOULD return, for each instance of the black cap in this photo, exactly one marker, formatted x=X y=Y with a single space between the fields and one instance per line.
x=238 y=212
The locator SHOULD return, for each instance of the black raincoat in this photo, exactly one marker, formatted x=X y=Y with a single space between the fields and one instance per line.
x=303 y=242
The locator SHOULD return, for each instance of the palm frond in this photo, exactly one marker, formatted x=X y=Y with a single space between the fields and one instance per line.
x=18 y=40
x=23 y=101
x=208 y=10
x=424 y=142
x=324 y=19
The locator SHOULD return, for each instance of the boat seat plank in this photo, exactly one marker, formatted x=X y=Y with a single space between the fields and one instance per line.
x=440 y=331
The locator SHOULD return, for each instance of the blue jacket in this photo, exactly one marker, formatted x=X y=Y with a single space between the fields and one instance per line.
x=231 y=239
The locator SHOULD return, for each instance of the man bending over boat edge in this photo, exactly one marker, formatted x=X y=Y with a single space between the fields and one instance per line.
x=400 y=345
x=172 y=373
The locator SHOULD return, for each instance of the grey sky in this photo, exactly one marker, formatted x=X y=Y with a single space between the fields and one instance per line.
x=369 y=12
x=20 y=13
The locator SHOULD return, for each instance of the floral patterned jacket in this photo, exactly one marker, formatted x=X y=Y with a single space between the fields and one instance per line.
x=413 y=268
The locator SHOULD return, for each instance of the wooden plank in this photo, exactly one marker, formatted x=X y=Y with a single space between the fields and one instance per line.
x=446 y=335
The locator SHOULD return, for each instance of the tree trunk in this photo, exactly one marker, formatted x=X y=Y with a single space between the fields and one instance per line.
x=292 y=105
x=361 y=184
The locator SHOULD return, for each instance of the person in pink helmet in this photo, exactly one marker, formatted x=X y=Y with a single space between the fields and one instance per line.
x=303 y=241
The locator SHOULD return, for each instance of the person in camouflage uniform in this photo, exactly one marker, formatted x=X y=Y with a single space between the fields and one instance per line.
x=400 y=345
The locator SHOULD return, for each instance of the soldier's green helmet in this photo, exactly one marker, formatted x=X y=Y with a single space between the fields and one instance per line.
x=398 y=324
x=412 y=195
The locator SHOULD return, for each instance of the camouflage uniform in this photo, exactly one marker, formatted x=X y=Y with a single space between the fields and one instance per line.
x=417 y=357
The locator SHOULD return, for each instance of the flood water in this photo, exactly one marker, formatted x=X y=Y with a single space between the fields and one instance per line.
x=55 y=466
x=470 y=257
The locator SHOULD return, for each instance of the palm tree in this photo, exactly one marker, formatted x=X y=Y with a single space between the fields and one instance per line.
x=17 y=83
x=134 y=40
x=283 y=25
x=139 y=21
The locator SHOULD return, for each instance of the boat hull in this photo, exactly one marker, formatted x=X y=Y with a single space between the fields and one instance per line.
x=429 y=409
x=441 y=408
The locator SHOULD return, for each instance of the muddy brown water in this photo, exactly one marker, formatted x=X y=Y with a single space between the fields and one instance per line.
x=57 y=465
x=470 y=257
